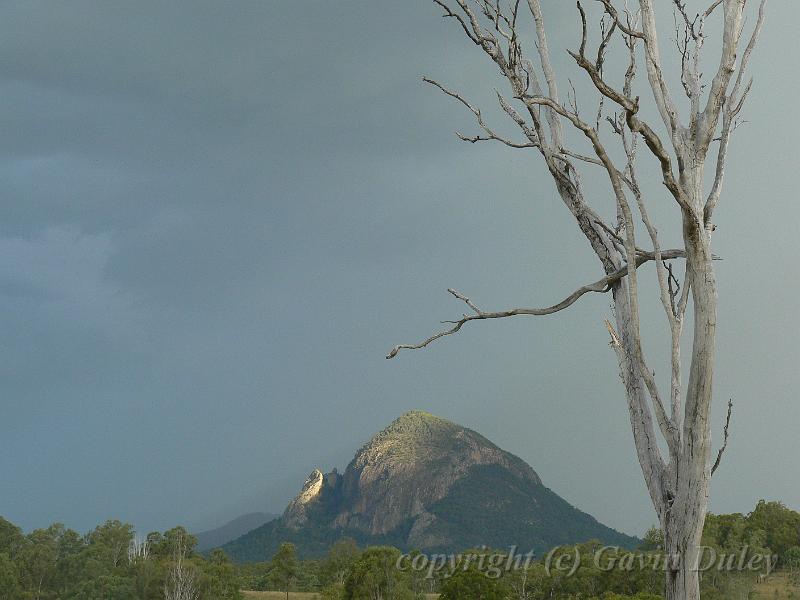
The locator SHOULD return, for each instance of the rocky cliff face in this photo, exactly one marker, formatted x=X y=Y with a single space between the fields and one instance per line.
x=296 y=513
x=409 y=466
x=427 y=483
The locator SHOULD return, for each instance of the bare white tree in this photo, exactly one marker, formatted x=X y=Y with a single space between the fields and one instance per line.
x=139 y=548
x=181 y=581
x=512 y=34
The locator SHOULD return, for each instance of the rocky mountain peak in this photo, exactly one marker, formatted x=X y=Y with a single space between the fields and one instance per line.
x=296 y=513
x=410 y=465
x=425 y=482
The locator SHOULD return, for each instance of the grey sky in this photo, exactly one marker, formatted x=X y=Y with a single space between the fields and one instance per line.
x=217 y=217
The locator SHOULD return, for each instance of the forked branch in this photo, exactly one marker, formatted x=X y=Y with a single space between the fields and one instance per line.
x=625 y=28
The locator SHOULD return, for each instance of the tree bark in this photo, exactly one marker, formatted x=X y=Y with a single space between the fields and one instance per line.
x=683 y=516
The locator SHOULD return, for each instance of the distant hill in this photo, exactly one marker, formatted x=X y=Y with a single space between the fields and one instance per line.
x=214 y=538
x=426 y=483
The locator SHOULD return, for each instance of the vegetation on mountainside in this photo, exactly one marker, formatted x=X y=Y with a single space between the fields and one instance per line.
x=532 y=516
x=311 y=541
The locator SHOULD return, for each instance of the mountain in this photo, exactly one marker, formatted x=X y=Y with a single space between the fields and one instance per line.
x=214 y=538
x=426 y=483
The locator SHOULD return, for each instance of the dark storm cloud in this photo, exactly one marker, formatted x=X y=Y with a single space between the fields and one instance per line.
x=217 y=217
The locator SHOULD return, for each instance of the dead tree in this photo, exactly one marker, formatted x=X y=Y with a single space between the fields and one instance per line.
x=682 y=145
x=138 y=549
x=181 y=582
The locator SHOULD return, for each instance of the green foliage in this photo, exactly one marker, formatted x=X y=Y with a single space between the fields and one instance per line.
x=472 y=583
x=334 y=591
x=284 y=568
x=533 y=582
x=312 y=540
x=10 y=588
x=375 y=575
x=104 y=587
x=11 y=537
x=771 y=529
x=653 y=540
x=147 y=577
x=340 y=559
x=346 y=573
x=173 y=541
x=57 y=563
x=640 y=596
x=415 y=432
x=111 y=541
x=780 y=524
x=37 y=558
x=791 y=558
x=220 y=580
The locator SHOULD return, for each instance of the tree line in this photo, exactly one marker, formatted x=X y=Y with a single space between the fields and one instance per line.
x=112 y=562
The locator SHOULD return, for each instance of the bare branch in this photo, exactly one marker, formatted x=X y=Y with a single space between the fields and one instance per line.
x=601 y=286
x=724 y=440
x=606 y=40
x=733 y=106
x=732 y=31
x=655 y=73
x=748 y=52
x=584 y=29
x=494 y=138
x=532 y=143
x=449 y=13
x=581 y=157
x=691 y=24
x=711 y=8
x=614 y=14
x=691 y=77
x=674 y=288
x=631 y=108
x=556 y=128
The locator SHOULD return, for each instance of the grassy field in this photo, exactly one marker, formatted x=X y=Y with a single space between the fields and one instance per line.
x=278 y=596
x=294 y=596
x=779 y=582
x=776 y=586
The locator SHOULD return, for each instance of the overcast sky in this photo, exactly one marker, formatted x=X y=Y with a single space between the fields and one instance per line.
x=217 y=217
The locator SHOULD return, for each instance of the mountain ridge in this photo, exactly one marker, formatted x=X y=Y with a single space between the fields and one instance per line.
x=235 y=528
